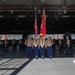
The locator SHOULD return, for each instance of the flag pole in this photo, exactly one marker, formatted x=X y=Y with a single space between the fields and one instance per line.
x=35 y=25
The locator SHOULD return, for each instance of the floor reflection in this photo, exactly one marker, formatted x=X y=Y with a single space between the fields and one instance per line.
x=11 y=66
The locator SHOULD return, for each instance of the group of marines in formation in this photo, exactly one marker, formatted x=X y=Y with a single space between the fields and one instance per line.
x=41 y=44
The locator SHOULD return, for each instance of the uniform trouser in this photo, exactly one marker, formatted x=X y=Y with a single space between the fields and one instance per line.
x=42 y=52
x=49 y=51
x=28 y=51
x=36 y=52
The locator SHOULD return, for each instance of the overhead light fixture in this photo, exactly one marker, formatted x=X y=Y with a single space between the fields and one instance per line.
x=3 y=0
x=42 y=0
x=1 y=16
x=35 y=8
x=65 y=16
x=21 y=16
x=65 y=11
x=11 y=11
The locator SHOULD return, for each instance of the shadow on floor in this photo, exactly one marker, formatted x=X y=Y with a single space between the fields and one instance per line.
x=11 y=59
x=20 y=68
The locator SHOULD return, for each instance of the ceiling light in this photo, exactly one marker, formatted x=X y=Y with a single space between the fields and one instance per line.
x=1 y=16
x=42 y=0
x=11 y=11
x=65 y=16
x=21 y=16
x=35 y=8
x=65 y=11
x=3 y=0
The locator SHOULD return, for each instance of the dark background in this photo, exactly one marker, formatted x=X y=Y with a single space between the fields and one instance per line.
x=60 y=16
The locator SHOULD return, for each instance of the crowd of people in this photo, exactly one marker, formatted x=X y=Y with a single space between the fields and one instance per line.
x=63 y=46
x=7 y=45
x=39 y=46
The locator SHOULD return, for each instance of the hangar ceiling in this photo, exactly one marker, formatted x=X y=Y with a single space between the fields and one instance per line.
x=17 y=16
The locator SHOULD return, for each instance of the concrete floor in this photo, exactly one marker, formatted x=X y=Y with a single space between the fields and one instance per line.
x=15 y=63
x=9 y=65
x=55 y=66
x=12 y=62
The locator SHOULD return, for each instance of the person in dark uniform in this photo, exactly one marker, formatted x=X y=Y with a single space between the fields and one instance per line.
x=60 y=46
x=6 y=45
x=19 y=45
x=13 y=45
x=42 y=41
x=67 y=45
x=35 y=47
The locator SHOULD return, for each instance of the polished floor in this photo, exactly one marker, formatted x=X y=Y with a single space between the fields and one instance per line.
x=15 y=63
x=12 y=62
x=55 y=66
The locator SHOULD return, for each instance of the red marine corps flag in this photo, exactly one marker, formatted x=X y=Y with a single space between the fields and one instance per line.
x=35 y=25
x=43 y=25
